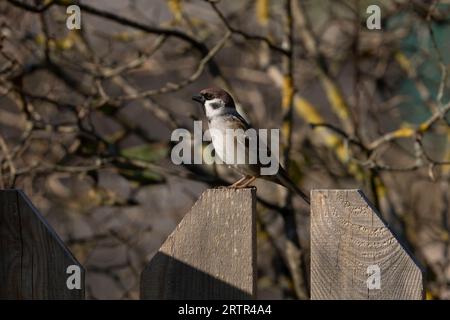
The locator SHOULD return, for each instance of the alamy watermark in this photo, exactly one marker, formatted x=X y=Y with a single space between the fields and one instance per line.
x=228 y=146
x=73 y=21
x=74 y=279
x=374 y=279
x=373 y=22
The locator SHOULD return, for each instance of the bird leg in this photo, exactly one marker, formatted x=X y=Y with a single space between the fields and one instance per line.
x=237 y=183
x=247 y=183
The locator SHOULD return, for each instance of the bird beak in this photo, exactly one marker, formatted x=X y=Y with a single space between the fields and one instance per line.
x=199 y=98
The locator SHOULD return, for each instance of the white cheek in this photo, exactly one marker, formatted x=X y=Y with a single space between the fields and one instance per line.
x=212 y=111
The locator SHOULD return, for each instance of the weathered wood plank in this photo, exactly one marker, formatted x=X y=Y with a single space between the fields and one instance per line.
x=33 y=260
x=212 y=252
x=352 y=248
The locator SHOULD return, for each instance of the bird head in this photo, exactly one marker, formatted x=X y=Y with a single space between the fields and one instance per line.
x=216 y=101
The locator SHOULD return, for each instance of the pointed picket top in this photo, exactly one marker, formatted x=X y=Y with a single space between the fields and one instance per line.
x=354 y=254
x=34 y=262
x=212 y=252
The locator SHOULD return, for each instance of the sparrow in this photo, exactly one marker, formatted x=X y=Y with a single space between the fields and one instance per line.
x=222 y=115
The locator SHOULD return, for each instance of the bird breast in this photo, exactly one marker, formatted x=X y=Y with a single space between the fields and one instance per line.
x=228 y=141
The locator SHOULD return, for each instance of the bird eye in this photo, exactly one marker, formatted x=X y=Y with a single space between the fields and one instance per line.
x=207 y=96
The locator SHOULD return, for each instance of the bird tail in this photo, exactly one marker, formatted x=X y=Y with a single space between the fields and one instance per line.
x=284 y=179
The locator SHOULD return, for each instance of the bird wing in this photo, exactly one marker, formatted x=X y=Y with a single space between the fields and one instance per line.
x=250 y=146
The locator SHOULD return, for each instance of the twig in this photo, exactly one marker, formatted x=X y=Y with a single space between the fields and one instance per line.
x=177 y=86
x=244 y=34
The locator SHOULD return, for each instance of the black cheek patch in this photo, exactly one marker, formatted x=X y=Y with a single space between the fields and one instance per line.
x=215 y=105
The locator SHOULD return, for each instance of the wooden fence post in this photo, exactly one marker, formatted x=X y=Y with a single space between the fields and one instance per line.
x=33 y=260
x=212 y=252
x=354 y=255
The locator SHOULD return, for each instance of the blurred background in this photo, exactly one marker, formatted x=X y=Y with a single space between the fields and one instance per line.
x=86 y=118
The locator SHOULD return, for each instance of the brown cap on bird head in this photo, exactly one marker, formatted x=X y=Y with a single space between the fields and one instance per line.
x=214 y=93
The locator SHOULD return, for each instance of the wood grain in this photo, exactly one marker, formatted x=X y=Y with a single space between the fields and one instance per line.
x=33 y=260
x=212 y=252
x=348 y=236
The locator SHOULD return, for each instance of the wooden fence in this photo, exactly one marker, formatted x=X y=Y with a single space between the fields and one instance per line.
x=212 y=252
